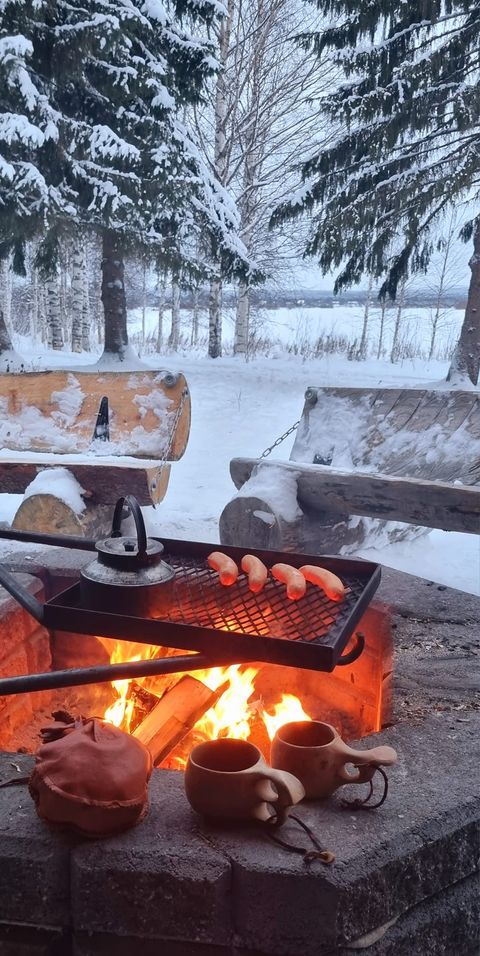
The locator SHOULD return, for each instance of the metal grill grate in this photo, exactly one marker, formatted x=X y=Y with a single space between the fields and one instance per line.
x=199 y=600
x=232 y=622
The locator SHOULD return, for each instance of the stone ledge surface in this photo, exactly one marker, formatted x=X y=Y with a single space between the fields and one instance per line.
x=424 y=838
x=34 y=860
x=169 y=878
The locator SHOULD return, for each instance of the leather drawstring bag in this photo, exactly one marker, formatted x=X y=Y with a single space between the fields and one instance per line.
x=91 y=777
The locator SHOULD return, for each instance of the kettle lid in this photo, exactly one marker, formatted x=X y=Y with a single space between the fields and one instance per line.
x=128 y=553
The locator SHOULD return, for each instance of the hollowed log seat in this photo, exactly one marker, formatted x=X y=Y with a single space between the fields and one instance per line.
x=398 y=455
x=114 y=432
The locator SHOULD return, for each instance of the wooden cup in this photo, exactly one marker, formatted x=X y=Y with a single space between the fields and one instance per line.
x=315 y=753
x=228 y=779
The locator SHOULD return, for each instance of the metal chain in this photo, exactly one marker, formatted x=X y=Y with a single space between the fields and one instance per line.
x=278 y=441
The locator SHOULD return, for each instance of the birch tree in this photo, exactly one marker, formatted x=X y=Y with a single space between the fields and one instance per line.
x=258 y=114
x=55 y=319
x=78 y=292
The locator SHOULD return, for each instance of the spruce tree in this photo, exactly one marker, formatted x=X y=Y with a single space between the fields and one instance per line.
x=407 y=147
x=99 y=113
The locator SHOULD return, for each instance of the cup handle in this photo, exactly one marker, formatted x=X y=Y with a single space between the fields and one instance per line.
x=365 y=761
x=285 y=793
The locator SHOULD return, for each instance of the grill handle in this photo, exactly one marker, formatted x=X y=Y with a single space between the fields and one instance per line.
x=354 y=654
x=27 y=600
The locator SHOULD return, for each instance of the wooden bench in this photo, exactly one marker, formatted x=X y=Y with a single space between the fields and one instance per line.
x=398 y=455
x=114 y=432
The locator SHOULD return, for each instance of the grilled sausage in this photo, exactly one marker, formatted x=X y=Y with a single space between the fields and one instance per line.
x=296 y=583
x=330 y=584
x=226 y=567
x=256 y=571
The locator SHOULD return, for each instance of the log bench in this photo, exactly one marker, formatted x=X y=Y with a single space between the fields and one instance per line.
x=395 y=455
x=113 y=432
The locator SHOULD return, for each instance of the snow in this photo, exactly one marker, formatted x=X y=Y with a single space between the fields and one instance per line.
x=69 y=402
x=61 y=483
x=239 y=408
x=277 y=488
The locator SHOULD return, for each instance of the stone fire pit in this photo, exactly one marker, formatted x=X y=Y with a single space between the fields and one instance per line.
x=404 y=877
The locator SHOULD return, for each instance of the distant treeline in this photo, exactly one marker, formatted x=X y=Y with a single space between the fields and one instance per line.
x=275 y=299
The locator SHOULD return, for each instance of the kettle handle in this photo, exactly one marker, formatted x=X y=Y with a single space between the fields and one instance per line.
x=136 y=511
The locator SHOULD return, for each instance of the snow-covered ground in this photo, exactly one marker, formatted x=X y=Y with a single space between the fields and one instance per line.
x=239 y=408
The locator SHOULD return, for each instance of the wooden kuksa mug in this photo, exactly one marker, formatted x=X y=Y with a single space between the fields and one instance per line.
x=315 y=753
x=228 y=779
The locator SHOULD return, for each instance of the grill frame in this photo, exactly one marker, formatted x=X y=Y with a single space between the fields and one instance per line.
x=322 y=652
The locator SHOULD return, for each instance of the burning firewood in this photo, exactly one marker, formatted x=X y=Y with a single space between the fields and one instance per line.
x=175 y=715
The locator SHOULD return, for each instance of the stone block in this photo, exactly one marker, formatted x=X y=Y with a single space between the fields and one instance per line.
x=34 y=859
x=160 y=880
x=104 y=945
x=39 y=655
x=28 y=941
x=15 y=623
x=440 y=926
x=15 y=712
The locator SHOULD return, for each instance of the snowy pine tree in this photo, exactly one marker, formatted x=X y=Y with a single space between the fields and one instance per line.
x=407 y=146
x=92 y=138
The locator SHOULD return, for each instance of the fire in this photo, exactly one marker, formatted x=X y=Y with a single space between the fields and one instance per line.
x=287 y=710
x=232 y=715
x=120 y=712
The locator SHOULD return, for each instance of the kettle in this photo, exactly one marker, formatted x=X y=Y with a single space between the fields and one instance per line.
x=128 y=576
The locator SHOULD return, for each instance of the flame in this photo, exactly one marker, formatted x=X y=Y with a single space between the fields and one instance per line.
x=121 y=710
x=232 y=715
x=289 y=708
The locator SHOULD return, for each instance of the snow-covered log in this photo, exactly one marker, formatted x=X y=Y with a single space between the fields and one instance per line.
x=366 y=465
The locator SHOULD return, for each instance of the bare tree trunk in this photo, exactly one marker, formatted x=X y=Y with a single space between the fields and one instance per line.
x=440 y=291
x=465 y=363
x=144 y=299
x=34 y=314
x=161 y=309
x=363 y=347
x=113 y=295
x=5 y=340
x=54 y=314
x=398 y=320
x=97 y=306
x=240 y=344
x=195 y=317
x=220 y=164
x=215 y=319
x=78 y=262
x=382 y=328
x=64 y=313
x=43 y=310
x=6 y=290
x=10 y=360
x=174 y=337
x=86 y=305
